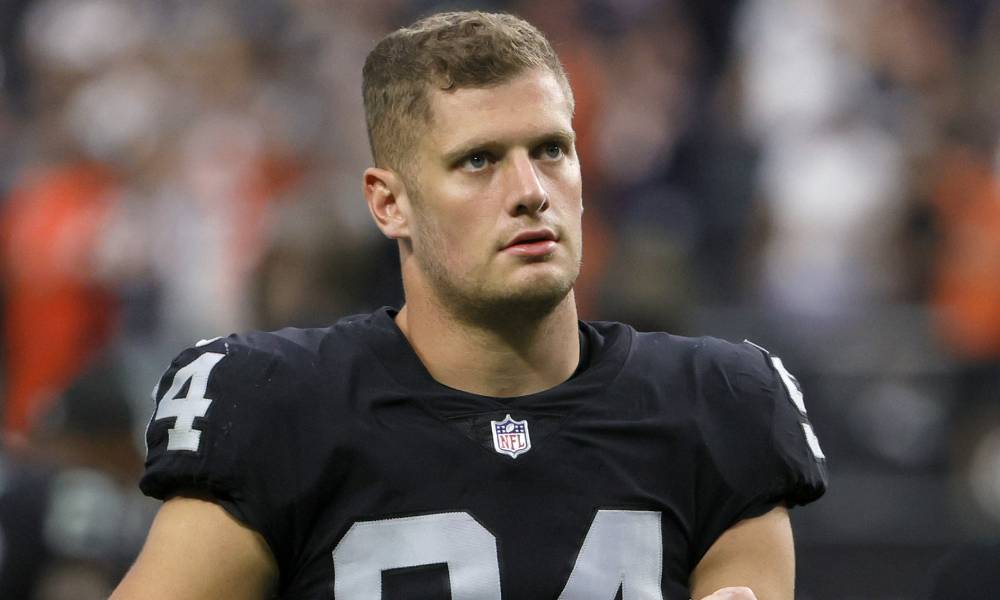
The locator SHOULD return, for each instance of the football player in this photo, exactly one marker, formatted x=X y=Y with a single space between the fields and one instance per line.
x=480 y=442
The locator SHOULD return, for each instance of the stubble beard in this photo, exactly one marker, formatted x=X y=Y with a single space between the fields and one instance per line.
x=488 y=304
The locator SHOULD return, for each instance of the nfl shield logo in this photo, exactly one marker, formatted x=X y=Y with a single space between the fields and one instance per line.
x=511 y=437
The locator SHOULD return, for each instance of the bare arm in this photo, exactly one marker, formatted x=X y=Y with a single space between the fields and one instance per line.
x=757 y=553
x=196 y=550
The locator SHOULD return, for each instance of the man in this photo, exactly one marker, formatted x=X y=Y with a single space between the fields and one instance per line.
x=481 y=442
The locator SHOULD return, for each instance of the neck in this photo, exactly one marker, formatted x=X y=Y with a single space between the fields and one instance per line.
x=513 y=358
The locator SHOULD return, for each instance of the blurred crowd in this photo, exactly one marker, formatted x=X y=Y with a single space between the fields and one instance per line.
x=823 y=175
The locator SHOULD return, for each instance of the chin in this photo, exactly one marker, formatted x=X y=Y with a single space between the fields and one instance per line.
x=527 y=294
x=531 y=299
x=524 y=301
x=542 y=295
x=520 y=307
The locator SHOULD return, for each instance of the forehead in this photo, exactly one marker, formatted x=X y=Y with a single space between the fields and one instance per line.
x=531 y=104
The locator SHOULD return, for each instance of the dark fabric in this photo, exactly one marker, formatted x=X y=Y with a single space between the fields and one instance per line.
x=312 y=432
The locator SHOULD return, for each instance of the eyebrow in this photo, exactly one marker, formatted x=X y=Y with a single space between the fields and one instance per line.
x=566 y=136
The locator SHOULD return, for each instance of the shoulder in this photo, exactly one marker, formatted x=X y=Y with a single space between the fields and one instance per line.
x=700 y=352
x=236 y=366
x=746 y=409
x=214 y=396
x=228 y=398
x=295 y=344
x=246 y=420
x=753 y=424
x=260 y=355
x=724 y=382
x=711 y=364
x=657 y=355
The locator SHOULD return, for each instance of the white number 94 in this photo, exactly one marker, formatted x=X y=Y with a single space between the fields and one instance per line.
x=622 y=550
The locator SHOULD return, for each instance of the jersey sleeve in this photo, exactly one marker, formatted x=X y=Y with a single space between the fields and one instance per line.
x=759 y=446
x=222 y=427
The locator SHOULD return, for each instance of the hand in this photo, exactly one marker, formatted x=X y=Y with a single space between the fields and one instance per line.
x=732 y=593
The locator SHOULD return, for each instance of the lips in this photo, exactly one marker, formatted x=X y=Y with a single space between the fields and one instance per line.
x=535 y=242
x=531 y=237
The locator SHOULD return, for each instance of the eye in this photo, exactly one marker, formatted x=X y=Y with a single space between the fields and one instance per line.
x=551 y=150
x=476 y=162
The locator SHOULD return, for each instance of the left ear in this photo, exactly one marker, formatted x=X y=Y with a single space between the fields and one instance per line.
x=387 y=201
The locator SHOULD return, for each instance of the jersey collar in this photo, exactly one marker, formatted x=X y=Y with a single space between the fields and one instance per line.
x=607 y=346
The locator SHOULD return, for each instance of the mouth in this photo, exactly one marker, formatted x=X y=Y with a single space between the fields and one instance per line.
x=535 y=242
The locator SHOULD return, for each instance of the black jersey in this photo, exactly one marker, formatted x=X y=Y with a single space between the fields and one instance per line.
x=370 y=480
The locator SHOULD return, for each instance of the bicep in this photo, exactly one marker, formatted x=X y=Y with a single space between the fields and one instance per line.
x=196 y=550
x=757 y=553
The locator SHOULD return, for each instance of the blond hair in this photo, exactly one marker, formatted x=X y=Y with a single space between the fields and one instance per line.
x=447 y=51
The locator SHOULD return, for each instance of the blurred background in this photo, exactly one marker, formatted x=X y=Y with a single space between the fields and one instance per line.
x=820 y=176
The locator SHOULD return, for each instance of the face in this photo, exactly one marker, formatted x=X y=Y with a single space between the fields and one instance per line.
x=496 y=199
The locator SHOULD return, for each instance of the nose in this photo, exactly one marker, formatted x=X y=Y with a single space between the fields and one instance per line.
x=528 y=195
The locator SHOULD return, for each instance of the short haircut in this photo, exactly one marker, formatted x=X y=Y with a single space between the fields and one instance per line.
x=449 y=51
